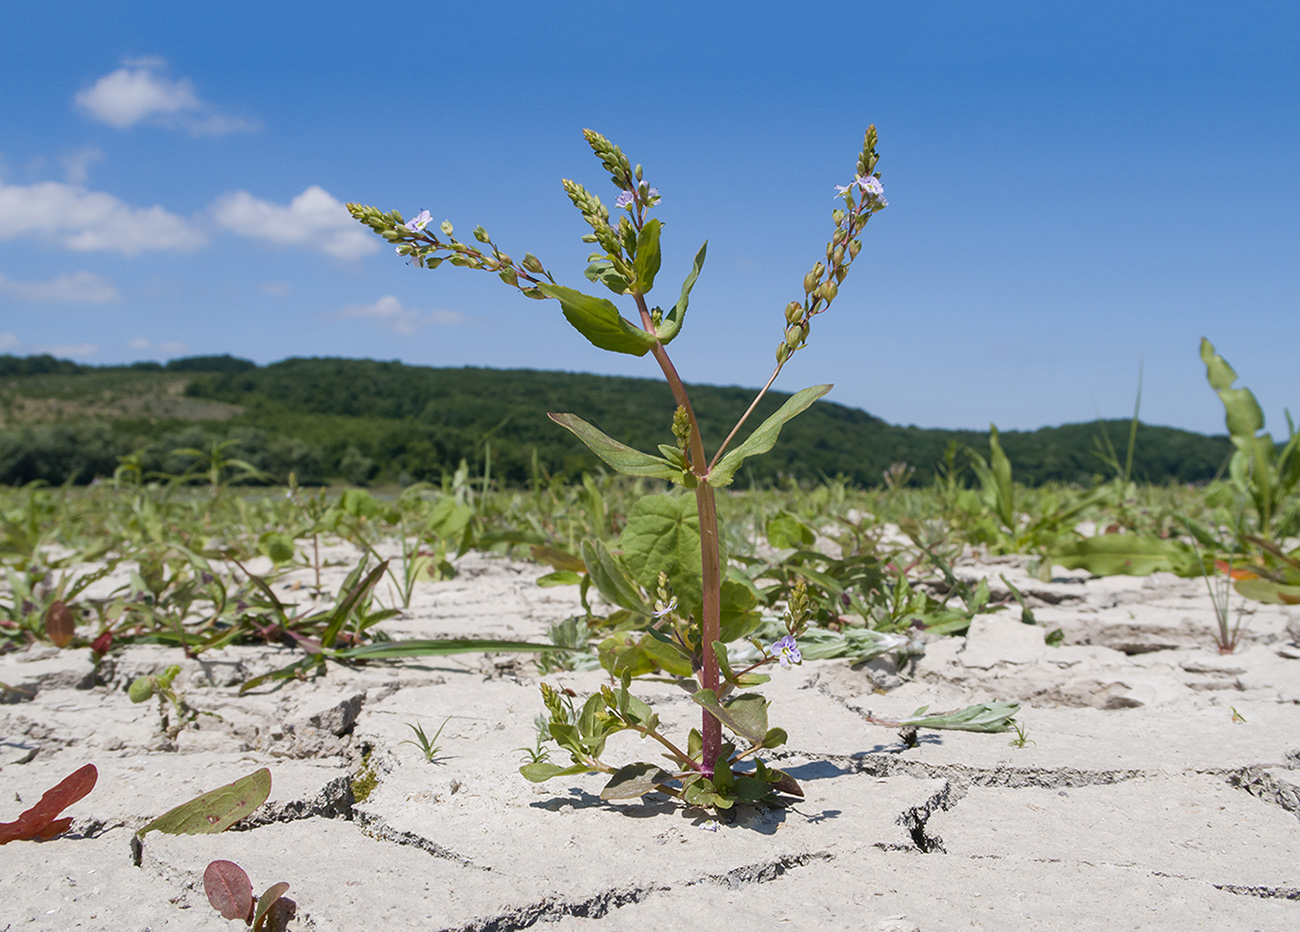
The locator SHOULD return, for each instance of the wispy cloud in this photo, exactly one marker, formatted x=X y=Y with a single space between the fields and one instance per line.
x=139 y=93
x=85 y=287
x=8 y=341
x=390 y=313
x=166 y=348
x=277 y=289
x=89 y=221
x=67 y=350
x=76 y=165
x=313 y=219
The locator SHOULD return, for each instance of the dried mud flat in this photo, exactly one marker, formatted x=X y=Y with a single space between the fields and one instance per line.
x=1159 y=787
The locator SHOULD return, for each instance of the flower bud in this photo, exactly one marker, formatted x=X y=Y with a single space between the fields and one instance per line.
x=509 y=277
x=481 y=235
x=830 y=249
x=446 y=227
x=837 y=257
x=532 y=263
x=840 y=273
x=793 y=312
x=855 y=247
x=838 y=217
x=782 y=353
x=793 y=336
x=838 y=237
x=810 y=281
x=828 y=291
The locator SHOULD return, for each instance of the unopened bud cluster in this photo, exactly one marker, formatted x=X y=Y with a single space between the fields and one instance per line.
x=425 y=249
x=862 y=198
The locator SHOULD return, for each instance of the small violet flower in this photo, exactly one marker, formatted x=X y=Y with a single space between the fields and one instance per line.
x=661 y=611
x=787 y=651
x=628 y=198
x=869 y=186
x=419 y=222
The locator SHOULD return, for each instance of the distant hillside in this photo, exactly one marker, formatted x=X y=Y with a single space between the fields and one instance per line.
x=362 y=419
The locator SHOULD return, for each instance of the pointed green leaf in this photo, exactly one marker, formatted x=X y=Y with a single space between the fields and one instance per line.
x=267 y=900
x=611 y=578
x=672 y=322
x=541 y=771
x=764 y=436
x=603 y=271
x=647 y=257
x=627 y=460
x=435 y=647
x=1122 y=555
x=599 y=321
x=634 y=781
x=216 y=810
x=1217 y=371
x=746 y=715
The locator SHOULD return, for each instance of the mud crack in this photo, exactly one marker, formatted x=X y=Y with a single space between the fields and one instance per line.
x=605 y=902
x=916 y=818
x=1258 y=782
x=1267 y=893
x=380 y=830
x=892 y=765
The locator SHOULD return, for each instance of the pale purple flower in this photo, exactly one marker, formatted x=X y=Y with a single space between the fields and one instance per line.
x=787 y=651
x=870 y=186
x=628 y=198
x=660 y=612
x=419 y=222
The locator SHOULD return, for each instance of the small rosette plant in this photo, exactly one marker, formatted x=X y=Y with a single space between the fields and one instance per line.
x=668 y=547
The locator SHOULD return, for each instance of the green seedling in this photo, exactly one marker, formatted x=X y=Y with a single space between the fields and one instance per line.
x=144 y=688
x=428 y=746
x=210 y=812
x=231 y=893
x=1022 y=736
x=42 y=820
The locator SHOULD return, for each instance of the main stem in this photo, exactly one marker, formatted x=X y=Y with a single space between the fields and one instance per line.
x=710 y=563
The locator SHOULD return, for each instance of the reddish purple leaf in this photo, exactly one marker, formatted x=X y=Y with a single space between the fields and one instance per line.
x=229 y=890
x=41 y=821
x=59 y=625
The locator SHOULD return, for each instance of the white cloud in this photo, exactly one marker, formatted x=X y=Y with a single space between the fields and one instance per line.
x=8 y=341
x=88 y=221
x=137 y=93
x=168 y=348
x=74 y=286
x=277 y=289
x=67 y=350
x=388 y=312
x=313 y=219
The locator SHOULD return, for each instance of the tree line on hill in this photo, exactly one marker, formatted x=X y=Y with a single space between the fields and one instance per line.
x=360 y=420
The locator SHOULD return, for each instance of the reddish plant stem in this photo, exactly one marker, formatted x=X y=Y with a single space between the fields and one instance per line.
x=710 y=568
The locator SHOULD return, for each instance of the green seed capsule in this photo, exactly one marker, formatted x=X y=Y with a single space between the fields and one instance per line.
x=141 y=689
x=793 y=312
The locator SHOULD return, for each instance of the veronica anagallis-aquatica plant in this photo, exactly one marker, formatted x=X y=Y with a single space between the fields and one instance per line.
x=687 y=617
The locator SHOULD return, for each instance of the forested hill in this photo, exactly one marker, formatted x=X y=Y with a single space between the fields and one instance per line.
x=362 y=419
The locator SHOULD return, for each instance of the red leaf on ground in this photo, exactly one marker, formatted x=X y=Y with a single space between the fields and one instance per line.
x=41 y=821
x=229 y=890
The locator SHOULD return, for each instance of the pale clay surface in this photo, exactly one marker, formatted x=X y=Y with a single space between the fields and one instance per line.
x=1137 y=803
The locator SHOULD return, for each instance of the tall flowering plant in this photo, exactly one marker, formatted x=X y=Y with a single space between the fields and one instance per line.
x=685 y=625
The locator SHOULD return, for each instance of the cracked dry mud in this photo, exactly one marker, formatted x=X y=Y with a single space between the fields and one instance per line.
x=1159 y=787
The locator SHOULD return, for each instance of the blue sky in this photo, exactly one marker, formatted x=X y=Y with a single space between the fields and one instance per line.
x=1075 y=188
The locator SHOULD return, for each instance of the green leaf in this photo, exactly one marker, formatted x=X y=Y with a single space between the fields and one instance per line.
x=541 y=771
x=611 y=578
x=604 y=271
x=775 y=737
x=785 y=531
x=745 y=715
x=1268 y=592
x=634 y=781
x=647 y=257
x=663 y=534
x=1122 y=554
x=1217 y=371
x=672 y=322
x=267 y=900
x=214 y=811
x=765 y=436
x=560 y=578
x=986 y=717
x=276 y=545
x=599 y=321
x=627 y=460
x=435 y=647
